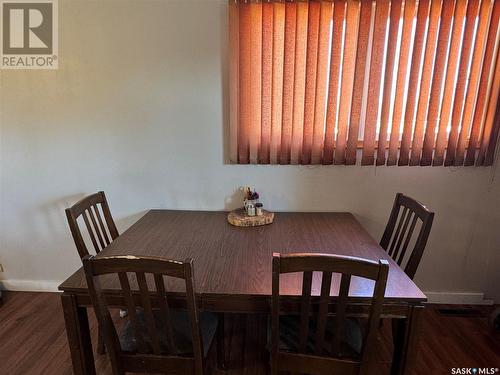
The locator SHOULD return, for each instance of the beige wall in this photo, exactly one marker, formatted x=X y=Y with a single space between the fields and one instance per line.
x=138 y=107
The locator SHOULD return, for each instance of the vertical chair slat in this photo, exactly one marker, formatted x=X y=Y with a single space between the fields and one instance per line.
x=389 y=229
x=398 y=230
x=91 y=233
x=340 y=311
x=304 y=311
x=101 y=224
x=407 y=241
x=418 y=250
x=81 y=247
x=148 y=312
x=107 y=216
x=323 y=311
x=402 y=235
x=96 y=228
x=132 y=313
x=165 y=312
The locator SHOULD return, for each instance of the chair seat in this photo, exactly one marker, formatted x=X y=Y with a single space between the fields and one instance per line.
x=181 y=326
x=351 y=340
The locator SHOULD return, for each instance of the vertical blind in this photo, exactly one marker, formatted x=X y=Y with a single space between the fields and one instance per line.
x=395 y=82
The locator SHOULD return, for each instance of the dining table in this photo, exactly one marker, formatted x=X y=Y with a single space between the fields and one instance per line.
x=233 y=271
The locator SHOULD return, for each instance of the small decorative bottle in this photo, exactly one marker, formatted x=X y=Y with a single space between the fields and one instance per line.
x=259 y=209
x=251 y=209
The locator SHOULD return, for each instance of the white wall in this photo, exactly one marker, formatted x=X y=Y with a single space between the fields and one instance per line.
x=138 y=108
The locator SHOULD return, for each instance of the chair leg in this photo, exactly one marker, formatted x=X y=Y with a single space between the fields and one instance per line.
x=398 y=333
x=396 y=330
x=100 y=343
x=221 y=352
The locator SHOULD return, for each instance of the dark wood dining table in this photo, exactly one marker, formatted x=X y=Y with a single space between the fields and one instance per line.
x=232 y=269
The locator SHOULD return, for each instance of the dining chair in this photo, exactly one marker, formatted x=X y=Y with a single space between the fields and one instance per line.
x=320 y=339
x=156 y=338
x=97 y=217
x=399 y=233
x=101 y=228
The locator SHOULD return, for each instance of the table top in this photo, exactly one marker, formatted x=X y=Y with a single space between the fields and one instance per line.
x=231 y=260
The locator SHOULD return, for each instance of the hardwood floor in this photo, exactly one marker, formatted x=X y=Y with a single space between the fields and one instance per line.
x=33 y=341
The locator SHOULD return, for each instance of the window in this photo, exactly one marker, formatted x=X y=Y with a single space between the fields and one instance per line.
x=405 y=82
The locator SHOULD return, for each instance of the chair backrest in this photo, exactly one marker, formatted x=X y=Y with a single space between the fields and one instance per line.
x=399 y=232
x=101 y=228
x=303 y=361
x=156 y=355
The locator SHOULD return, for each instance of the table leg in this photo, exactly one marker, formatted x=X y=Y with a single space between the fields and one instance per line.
x=78 y=332
x=221 y=350
x=405 y=337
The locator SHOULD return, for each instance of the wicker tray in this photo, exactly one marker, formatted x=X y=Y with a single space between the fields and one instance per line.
x=239 y=218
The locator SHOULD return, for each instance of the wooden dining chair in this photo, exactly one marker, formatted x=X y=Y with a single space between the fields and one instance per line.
x=156 y=338
x=97 y=217
x=321 y=339
x=101 y=228
x=399 y=233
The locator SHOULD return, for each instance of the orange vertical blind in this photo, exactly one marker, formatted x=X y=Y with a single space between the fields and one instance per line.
x=390 y=62
x=321 y=82
x=234 y=48
x=449 y=86
x=255 y=84
x=485 y=85
x=425 y=80
x=347 y=76
x=404 y=57
x=288 y=80
x=376 y=64
x=461 y=84
x=359 y=81
x=334 y=79
x=267 y=81
x=437 y=81
x=474 y=74
x=413 y=84
x=277 y=89
x=311 y=73
x=243 y=110
x=299 y=82
x=368 y=82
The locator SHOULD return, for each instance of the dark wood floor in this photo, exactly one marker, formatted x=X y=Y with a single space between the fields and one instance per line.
x=33 y=341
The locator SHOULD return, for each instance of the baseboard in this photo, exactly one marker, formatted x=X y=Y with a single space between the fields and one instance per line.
x=458 y=298
x=29 y=285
